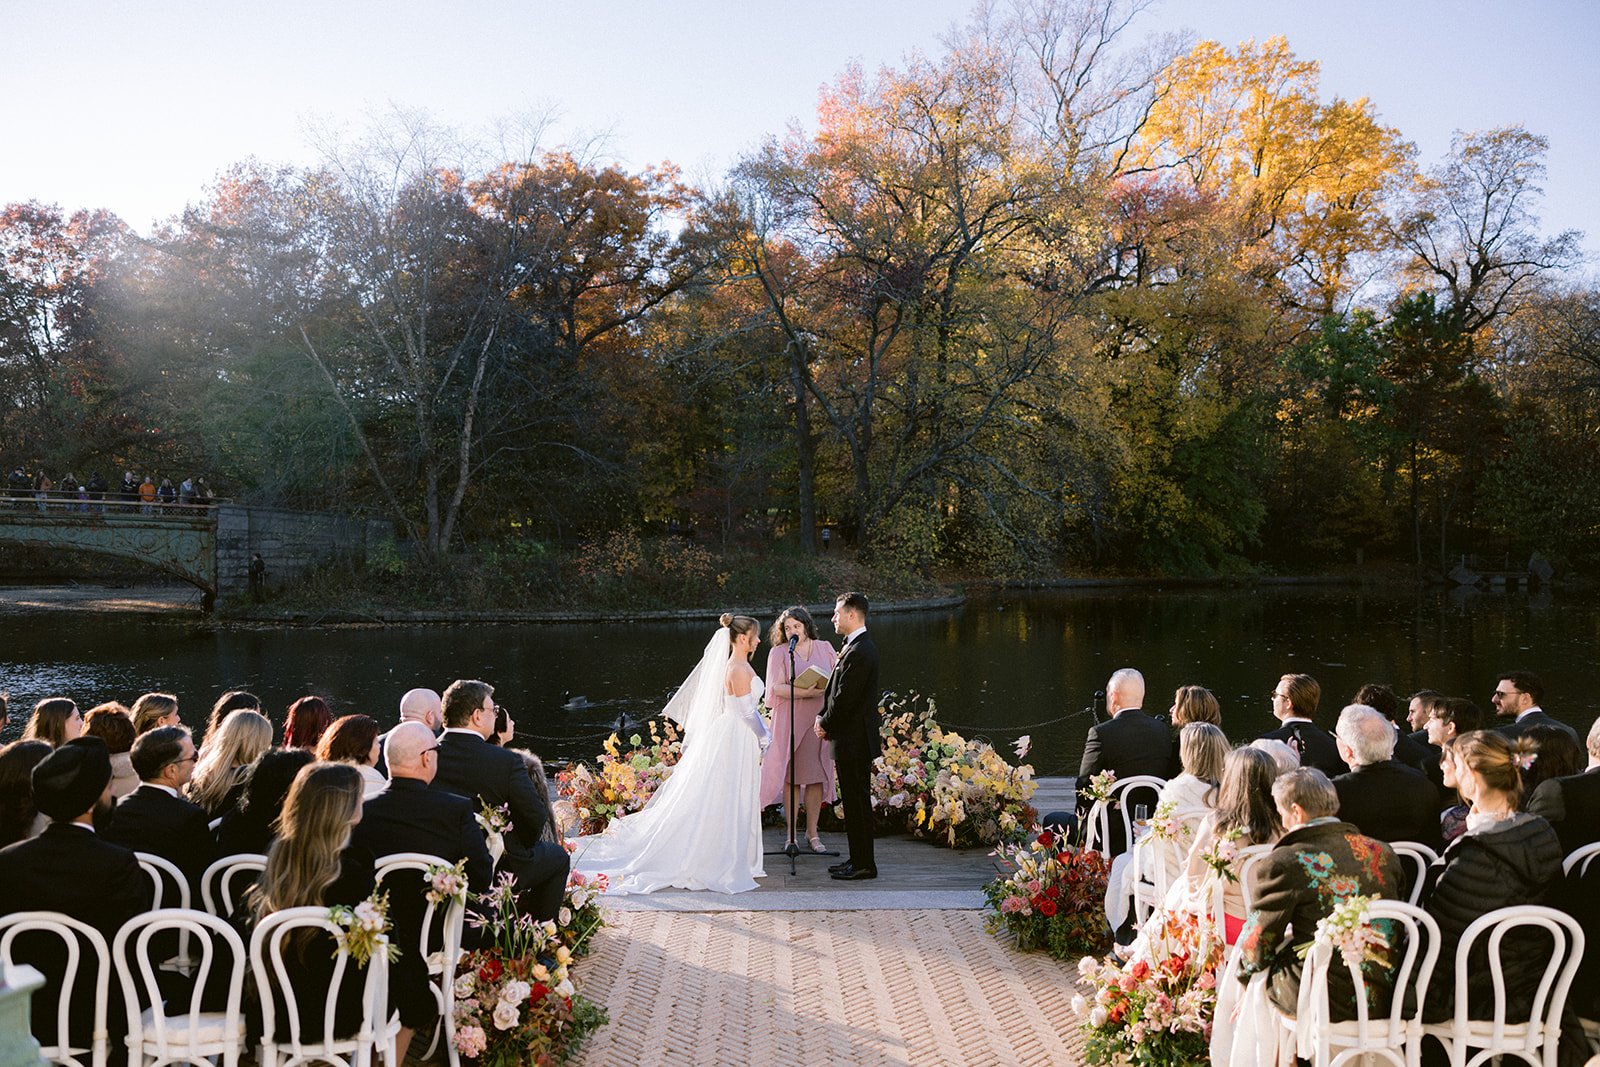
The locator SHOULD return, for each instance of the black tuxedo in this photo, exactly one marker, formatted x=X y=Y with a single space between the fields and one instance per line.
x=849 y=717
x=1390 y=802
x=1317 y=746
x=1130 y=743
x=1515 y=728
x=471 y=767
x=73 y=870
x=1572 y=806
x=152 y=820
x=410 y=817
x=1409 y=751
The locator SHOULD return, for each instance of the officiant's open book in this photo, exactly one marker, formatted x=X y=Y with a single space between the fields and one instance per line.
x=812 y=677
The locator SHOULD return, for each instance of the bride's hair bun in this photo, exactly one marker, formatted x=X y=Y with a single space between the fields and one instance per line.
x=726 y=620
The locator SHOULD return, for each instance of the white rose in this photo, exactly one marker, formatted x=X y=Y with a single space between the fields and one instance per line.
x=1098 y=1017
x=564 y=916
x=1079 y=1005
x=505 y=1016
x=464 y=985
x=565 y=988
x=515 y=992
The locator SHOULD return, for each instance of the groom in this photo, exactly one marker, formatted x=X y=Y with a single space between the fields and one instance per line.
x=850 y=720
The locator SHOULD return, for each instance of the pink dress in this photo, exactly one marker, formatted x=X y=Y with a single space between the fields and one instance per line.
x=813 y=757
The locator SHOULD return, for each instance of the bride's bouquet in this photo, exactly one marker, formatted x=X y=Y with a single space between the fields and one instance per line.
x=622 y=779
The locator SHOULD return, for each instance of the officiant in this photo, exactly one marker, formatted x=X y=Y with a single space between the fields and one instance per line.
x=813 y=757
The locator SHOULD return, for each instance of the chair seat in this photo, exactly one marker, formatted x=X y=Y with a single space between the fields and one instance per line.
x=1515 y=1035
x=210 y=1029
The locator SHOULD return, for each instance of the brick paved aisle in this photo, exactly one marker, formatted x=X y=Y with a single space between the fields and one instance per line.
x=818 y=987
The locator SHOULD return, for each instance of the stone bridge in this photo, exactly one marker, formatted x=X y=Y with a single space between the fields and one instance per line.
x=208 y=546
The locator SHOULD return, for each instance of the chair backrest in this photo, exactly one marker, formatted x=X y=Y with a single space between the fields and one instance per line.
x=267 y=949
x=130 y=954
x=1416 y=858
x=1580 y=858
x=217 y=893
x=443 y=935
x=73 y=934
x=1249 y=856
x=163 y=872
x=1098 y=834
x=1414 y=949
x=1544 y=1017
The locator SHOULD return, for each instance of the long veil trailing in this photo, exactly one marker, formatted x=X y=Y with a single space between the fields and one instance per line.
x=699 y=698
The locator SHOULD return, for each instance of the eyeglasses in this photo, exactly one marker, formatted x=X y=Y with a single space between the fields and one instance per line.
x=1498 y=695
x=1278 y=696
x=430 y=748
x=182 y=759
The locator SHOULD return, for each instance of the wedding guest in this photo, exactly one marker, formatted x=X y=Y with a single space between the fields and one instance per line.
x=1318 y=862
x=1571 y=804
x=20 y=819
x=314 y=863
x=813 y=758
x=554 y=830
x=1517 y=696
x=153 y=711
x=354 y=739
x=1131 y=743
x=219 y=775
x=155 y=817
x=1294 y=704
x=1190 y=704
x=253 y=825
x=1376 y=695
x=1506 y=857
x=308 y=717
x=112 y=723
x=73 y=870
x=1381 y=796
x=1418 y=708
x=1555 y=755
x=505 y=728
x=228 y=703
x=1448 y=718
x=1453 y=819
x=55 y=721
x=407 y=816
x=1245 y=812
x=417 y=705
x=486 y=774
x=1284 y=757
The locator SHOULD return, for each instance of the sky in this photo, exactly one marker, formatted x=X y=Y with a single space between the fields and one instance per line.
x=136 y=106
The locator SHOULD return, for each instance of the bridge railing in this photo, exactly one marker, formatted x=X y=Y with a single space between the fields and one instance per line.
x=108 y=503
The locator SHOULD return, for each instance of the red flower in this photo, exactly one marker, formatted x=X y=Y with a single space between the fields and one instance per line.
x=1039 y=902
x=1047 y=908
x=491 y=970
x=538 y=993
x=1141 y=971
x=1053 y=892
x=1047 y=839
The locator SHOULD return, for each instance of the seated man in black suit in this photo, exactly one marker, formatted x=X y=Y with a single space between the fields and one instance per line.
x=488 y=774
x=1294 y=704
x=1517 y=695
x=1383 y=797
x=1418 y=708
x=1407 y=750
x=1131 y=743
x=1572 y=804
x=409 y=817
x=71 y=869
x=155 y=817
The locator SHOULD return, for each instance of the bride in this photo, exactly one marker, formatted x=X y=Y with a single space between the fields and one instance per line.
x=701 y=829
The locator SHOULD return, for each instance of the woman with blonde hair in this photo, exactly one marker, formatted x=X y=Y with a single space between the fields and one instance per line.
x=313 y=863
x=218 y=780
x=813 y=760
x=55 y=721
x=153 y=710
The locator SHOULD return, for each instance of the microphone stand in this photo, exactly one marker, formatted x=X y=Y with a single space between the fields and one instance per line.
x=790 y=809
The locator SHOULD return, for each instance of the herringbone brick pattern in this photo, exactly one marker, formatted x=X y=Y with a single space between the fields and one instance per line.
x=778 y=988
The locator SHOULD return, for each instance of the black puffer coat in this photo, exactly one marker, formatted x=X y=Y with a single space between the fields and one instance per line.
x=1517 y=862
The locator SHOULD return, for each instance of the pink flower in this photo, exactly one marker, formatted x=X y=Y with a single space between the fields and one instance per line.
x=471 y=1041
x=1035 y=887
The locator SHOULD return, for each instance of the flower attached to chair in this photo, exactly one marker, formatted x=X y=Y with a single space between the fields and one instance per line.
x=364 y=929
x=1351 y=930
x=1100 y=786
x=495 y=821
x=1165 y=825
x=447 y=883
x=1223 y=855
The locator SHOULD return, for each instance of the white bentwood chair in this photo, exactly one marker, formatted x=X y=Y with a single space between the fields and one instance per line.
x=163 y=873
x=1098 y=833
x=158 y=1034
x=439 y=942
x=283 y=1041
x=1580 y=858
x=74 y=935
x=217 y=893
x=1418 y=857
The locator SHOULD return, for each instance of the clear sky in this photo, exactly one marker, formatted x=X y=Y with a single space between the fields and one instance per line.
x=135 y=106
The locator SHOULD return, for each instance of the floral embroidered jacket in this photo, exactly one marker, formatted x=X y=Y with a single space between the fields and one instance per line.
x=1296 y=885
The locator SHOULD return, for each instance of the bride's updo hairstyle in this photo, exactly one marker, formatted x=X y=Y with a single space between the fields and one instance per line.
x=739 y=625
x=776 y=636
x=1496 y=759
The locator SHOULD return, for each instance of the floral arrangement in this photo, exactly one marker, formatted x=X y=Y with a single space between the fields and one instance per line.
x=1351 y=930
x=1100 y=786
x=1223 y=855
x=581 y=915
x=942 y=787
x=1156 y=1009
x=621 y=781
x=446 y=883
x=1054 y=899
x=364 y=929
x=1165 y=825
x=514 y=1000
x=495 y=821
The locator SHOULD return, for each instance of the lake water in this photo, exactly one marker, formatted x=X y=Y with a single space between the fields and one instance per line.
x=999 y=667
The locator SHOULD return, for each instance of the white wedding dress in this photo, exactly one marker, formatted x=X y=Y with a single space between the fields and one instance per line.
x=702 y=827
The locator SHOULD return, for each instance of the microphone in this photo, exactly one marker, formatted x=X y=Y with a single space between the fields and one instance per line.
x=794 y=639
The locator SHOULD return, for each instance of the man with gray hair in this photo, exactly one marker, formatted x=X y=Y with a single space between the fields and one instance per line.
x=1131 y=743
x=1380 y=795
x=1572 y=804
x=1294 y=887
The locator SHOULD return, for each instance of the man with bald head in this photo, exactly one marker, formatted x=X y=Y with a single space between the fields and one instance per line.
x=410 y=817
x=1131 y=743
x=418 y=705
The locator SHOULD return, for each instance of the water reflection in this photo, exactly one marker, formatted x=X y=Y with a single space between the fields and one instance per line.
x=1000 y=667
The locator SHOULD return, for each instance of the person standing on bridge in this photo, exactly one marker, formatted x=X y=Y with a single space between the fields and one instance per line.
x=147 y=495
